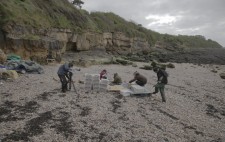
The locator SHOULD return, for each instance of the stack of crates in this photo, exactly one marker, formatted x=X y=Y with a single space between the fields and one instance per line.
x=88 y=82
x=103 y=85
x=137 y=89
x=95 y=82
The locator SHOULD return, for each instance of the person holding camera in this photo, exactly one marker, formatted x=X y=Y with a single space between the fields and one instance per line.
x=65 y=75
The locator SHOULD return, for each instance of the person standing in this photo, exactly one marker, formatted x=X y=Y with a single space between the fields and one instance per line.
x=162 y=76
x=140 y=79
x=64 y=73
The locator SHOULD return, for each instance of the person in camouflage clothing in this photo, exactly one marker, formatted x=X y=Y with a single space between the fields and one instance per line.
x=117 y=79
x=162 y=80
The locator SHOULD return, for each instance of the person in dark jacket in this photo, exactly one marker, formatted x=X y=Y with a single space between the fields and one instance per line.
x=64 y=73
x=162 y=76
x=140 y=79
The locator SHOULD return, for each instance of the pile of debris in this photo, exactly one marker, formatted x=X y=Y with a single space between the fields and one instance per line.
x=23 y=66
x=13 y=65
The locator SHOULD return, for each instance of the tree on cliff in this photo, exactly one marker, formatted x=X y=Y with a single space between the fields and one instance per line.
x=77 y=3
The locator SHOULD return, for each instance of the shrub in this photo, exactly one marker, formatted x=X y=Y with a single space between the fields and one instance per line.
x=123 y=62
x=147 y=67
x=154 y=64
x=145 y=52
x=214 y=71
x=163 y=67
x=170 y=65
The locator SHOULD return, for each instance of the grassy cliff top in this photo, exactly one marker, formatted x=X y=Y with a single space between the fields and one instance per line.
x=42 y=14
x=62 y=14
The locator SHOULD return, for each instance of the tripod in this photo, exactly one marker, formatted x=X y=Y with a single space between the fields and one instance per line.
x=71 y=82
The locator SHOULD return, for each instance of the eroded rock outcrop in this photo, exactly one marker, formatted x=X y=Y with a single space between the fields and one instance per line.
x=3 y=57
x=39 y=43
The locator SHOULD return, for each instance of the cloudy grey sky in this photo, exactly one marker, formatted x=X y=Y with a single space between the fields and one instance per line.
x=186 y=17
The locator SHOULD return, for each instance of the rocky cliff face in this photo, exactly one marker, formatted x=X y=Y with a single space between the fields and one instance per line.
x=38 y=43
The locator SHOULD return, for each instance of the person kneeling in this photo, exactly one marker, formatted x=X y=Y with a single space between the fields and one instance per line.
x=117 y=79
x=140 y=79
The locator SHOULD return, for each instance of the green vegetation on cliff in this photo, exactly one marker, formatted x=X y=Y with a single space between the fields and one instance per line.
x=42 y=14
x=62 y=14
x=110 y=22
x=185 y=41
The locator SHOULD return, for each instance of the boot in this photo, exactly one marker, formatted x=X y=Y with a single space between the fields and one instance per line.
x=67 y=89
x=163 y=97
x=64 y=88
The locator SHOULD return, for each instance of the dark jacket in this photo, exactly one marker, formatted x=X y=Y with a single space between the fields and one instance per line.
x=140 y=78
x=64 y=69
x=162 y=76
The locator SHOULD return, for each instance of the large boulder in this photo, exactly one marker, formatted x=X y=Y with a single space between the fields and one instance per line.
x=146 y=67
x=9 y=74
x=170 y=65
x=3 y=57
x=222 y=75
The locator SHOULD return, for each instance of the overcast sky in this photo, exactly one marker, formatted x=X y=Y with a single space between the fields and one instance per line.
x=186 y=17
